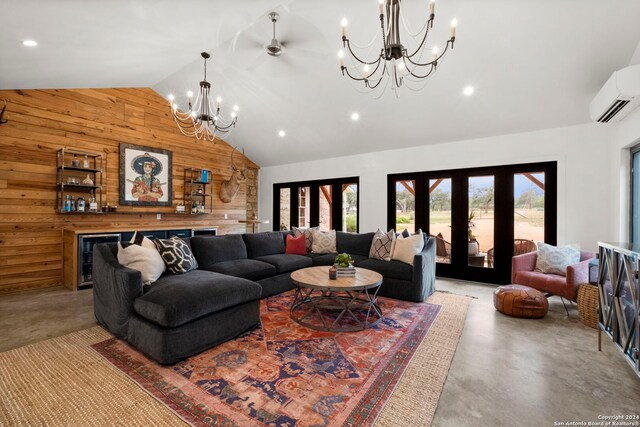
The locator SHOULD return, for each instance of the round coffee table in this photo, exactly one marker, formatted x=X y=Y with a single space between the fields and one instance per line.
x=346 y=304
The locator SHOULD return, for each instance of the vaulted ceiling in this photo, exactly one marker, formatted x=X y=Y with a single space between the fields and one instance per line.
x=534 y=65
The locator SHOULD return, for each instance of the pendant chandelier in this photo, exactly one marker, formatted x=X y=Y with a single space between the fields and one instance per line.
x=395 y=63
x=203 y=119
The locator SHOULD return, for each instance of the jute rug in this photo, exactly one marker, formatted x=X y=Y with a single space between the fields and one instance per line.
x=65 y=382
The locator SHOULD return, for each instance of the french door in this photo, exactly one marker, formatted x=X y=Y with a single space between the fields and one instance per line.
x=480 y=217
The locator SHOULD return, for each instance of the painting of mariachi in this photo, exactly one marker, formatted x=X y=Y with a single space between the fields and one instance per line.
x=145 y=176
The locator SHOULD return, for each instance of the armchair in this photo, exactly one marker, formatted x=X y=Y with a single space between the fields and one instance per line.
x=522 y=273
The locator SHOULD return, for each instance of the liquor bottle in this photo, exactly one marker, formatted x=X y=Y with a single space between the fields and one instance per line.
x=93 y=205
x=75 y=162
x=72 y=205
x=81 y=204
x=194 y=207
x=85 y=162
x=67 y=204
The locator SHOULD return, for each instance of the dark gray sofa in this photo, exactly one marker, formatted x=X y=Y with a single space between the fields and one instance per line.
x=181 y=315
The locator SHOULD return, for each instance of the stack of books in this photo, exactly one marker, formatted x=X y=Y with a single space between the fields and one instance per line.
x=346 y=271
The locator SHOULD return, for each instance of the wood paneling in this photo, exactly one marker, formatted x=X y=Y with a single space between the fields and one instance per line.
x=40 y=122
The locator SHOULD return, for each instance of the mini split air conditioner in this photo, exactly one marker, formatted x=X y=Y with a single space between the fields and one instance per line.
x=618 y=97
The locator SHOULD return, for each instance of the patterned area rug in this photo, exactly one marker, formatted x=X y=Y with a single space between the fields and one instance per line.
x=283 y=374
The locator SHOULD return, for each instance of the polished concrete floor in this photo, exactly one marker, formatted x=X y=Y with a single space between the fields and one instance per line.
x=506 y=371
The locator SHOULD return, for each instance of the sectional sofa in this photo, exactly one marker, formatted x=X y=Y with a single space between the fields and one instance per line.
x=181 y=315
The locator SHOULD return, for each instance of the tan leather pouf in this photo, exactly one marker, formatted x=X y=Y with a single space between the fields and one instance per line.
x=520 y=301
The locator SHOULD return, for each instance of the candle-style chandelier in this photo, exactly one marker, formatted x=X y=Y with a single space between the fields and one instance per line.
x=395 y=63
x=203 y=119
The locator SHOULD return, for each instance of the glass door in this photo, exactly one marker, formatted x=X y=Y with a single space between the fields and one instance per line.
x=440 y=224
x=481 y=221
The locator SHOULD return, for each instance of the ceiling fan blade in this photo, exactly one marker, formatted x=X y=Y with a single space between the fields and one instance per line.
x=306 y=53
x=257 y=62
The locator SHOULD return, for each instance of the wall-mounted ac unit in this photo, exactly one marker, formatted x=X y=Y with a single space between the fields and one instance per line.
x=618 y=97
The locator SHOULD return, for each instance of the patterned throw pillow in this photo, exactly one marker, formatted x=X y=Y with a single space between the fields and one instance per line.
x=555 y=260
x=323 y=242
x=306 y=232
x=382 y=245
x=176 y=254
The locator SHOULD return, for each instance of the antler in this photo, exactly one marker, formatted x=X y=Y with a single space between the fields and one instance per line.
x=3 y=121
x=244 y=160
x=233 y=165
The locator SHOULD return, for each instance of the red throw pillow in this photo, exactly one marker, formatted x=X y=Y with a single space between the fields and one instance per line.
x=296 y=245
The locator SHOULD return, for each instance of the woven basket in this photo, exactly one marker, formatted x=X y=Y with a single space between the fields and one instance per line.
x=588 y=305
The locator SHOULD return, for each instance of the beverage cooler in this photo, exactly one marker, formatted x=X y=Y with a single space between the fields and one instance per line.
x=85 y=255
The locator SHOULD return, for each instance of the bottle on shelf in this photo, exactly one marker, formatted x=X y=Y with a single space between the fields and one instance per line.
x=194 y=207
x=72 y=205
x=81 y=204
x=67 y=204
x=93 y=205
x=85 y=162
x=75 y=162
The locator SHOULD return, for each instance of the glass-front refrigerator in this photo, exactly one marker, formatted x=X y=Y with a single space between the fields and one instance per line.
x=85 y=255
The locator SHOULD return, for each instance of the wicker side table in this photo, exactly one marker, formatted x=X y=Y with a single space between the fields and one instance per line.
x=588 y=305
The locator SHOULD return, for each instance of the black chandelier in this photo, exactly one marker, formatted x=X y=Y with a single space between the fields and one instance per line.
x=395 y=63
x=203 y=119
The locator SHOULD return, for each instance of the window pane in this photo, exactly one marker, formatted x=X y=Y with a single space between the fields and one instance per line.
x=325 y=208
x=350 y=207
x=635 y=198
x=304 y=206
x=528 y=211
x=405 y=205
x=285 y=209
x=440 y=217
x=481 y=221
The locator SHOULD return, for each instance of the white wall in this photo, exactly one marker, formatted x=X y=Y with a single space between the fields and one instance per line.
x=584 y=180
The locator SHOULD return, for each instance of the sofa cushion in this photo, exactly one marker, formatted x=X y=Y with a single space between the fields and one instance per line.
x=176 y=300
x=393 y=269
x=265 y=243
x=329 y=259
x=246 y=268
x=286 y=262
x=406 y=248
x=295 y=245
x=323 y=241
x=551 y=283
x=353 y=243
x=210 y=250
x=382 y=245
x=176 y=253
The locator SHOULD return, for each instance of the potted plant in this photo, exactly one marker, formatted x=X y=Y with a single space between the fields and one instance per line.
x=474 y=246
x=343 y=260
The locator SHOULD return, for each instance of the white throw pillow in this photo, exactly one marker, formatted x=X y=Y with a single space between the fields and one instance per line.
x=142 y=240
x=323 y=242
x=407 y=247
x=382 y=245
x=555 y=260
x=147 y=261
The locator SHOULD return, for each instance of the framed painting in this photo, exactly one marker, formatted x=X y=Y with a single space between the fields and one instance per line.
x=145 y=176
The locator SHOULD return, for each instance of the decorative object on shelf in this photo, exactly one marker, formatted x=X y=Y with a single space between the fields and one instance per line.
x=203 y=120
x=230 y=187
x=343 y=260
x=204 y=175
x=145 y=176
x=87 y=180
x=197 y=193
x=85 y=162
x=75 y=162
x=395 y=62
x=4 y=108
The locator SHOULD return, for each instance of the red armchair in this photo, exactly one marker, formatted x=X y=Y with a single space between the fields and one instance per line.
x=522 y=273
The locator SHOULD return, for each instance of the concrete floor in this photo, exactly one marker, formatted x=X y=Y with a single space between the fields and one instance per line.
x=506 y=371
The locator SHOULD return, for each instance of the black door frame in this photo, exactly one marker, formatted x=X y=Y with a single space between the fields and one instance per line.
x=314 y=193
x=504 y=221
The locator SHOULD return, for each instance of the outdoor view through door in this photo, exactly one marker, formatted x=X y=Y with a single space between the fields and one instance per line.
x=329 y=204
x=480 y=217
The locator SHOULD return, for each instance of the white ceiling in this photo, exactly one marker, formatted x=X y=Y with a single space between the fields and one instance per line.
x=534 y=64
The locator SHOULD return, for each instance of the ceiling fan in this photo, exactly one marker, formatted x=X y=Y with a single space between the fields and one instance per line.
x=295 y=42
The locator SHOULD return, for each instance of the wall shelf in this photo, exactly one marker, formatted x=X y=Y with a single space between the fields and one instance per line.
x=76 y=166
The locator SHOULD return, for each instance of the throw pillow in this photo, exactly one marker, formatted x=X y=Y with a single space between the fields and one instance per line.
x=323 y=242
x=142 y=240
x=147 y=261
x=382 y=245
x=295 y=245
x=408 y=247
x=555 y=260
x=306 y=232
x=176 y=254
x=405 y=233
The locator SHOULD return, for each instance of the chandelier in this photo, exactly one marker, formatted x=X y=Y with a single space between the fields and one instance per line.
x=203 y=119
x=395 y=63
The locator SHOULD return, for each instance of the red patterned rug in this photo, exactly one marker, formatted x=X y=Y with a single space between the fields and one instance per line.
x=283 y=374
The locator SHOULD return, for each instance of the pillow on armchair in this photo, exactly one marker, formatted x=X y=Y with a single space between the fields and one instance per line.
x=555 y=260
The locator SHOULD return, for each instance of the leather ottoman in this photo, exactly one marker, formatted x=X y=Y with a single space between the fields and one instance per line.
x=520 y=301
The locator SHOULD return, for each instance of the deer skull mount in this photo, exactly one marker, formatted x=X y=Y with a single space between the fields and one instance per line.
x=230 y=187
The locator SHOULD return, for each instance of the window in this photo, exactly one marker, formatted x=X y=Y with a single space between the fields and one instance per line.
x=327 y=204
x=635 y=194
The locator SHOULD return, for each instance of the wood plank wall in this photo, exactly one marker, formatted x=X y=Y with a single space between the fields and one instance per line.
x=42 y=121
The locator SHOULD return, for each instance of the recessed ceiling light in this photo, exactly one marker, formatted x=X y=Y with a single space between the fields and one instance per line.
x=469 y=90
x=355 y=116
x=30 y=43
x=282 y=133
